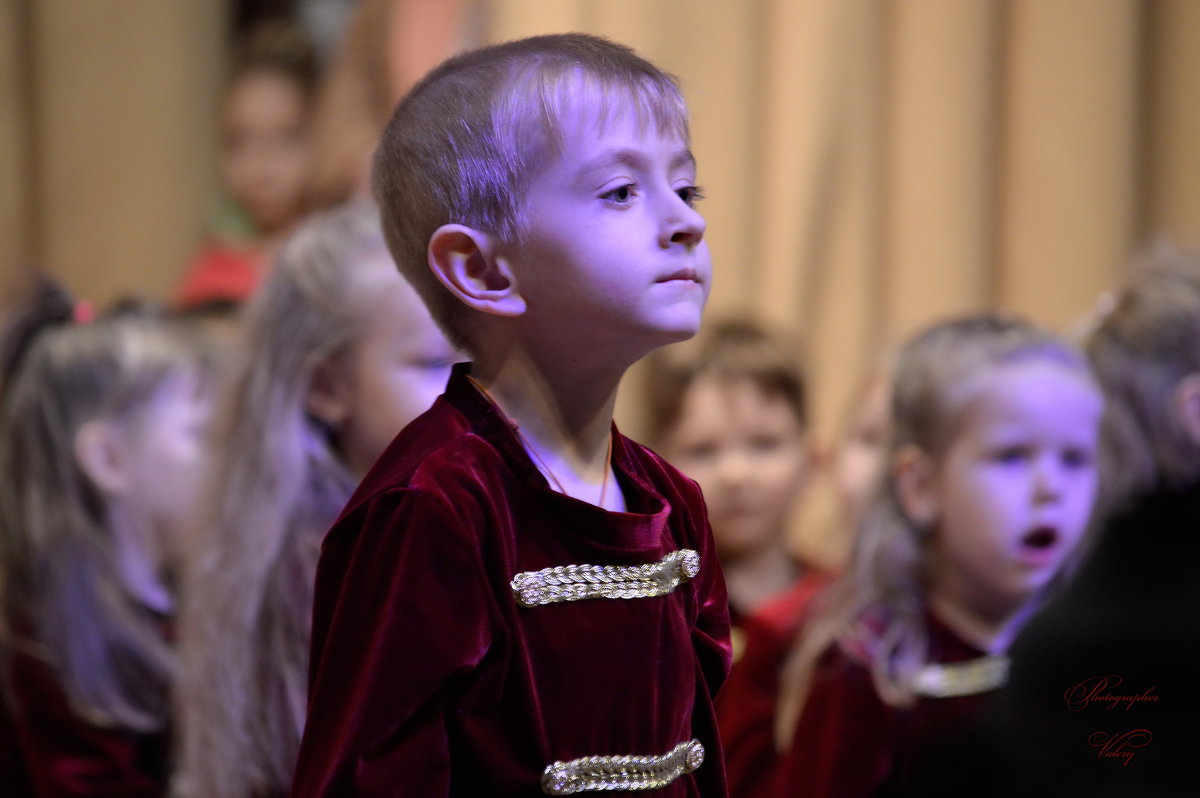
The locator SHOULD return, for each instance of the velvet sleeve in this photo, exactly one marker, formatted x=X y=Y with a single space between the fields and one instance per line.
x=710 y=636
x=401 y=613
x=842 y=747
x=64 y=755
x=710 y=640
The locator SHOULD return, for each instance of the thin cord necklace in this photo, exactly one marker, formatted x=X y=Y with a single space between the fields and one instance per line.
x=542 y=463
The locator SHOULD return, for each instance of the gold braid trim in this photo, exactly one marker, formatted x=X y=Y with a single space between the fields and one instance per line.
x=598 y=773
x=578 y=582
x=961 y=678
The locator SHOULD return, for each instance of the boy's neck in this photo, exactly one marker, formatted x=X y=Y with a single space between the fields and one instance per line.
x=758 y=576
x=564 y=418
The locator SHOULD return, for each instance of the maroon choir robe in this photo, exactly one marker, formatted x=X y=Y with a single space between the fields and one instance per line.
x=850 y=744
x=429 y=678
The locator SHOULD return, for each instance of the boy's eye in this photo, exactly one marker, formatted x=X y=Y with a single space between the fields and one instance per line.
x=699 y=452
x=1010 y=454
x=1077 y=458
x=621 y=194
x=690 y=194
x=765 y=444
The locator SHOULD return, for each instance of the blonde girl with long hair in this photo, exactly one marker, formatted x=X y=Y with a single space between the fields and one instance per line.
x=338 y=354
x=1128 y=624
x=989 y=484
x=101 y=448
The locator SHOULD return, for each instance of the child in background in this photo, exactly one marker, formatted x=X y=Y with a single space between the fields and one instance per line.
x=338 y=354
x=264 y=166
x=386 y=47
x=747 y=704
x=729 y=409
x=1128 y=624
x=101 y=447
x=517 y=597
x=862 y=447
x=990 y=480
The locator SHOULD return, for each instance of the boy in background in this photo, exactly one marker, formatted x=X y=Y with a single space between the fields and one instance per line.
x=729 y=409
x=518 y=598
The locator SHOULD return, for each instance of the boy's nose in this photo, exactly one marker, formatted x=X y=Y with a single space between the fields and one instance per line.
x=733 y=467
x=1047 y=481
x=682 y=224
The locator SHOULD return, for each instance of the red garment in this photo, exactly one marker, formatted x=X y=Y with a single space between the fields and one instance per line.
x=850 y=744
x=220 y=273
x=428 y=679
x=746 y=705
x=58 y=753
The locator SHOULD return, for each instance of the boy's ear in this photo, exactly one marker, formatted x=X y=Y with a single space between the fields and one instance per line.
x=467 y=263
x=103 y=456
x=329 y=393
x=913 y=472
x=1187 y=405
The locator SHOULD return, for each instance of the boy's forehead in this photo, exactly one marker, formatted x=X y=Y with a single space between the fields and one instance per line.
x=594 y=136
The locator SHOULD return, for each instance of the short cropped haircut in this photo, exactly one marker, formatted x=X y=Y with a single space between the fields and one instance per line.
x=464 y=144
x=734 y=350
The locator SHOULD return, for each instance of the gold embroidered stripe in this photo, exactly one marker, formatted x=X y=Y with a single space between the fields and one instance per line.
x=961 y=678
x=598 y=773
x=577 y=582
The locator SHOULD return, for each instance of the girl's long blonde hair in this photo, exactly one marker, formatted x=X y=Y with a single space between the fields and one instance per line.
x=875 y=610
x=277 y=486
x=63 y=600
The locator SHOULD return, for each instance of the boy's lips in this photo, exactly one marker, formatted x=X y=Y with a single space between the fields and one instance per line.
x=1039 y=546
x=683 y=275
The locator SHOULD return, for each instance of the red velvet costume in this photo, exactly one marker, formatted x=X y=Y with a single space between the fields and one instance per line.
x=429 y=679
x=55 y=752
x=746 y=705
x=850 y=744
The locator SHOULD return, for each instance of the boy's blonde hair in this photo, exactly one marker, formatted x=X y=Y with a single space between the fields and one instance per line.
x=876 y=607
x=63 y=601
x=465 y=143
x=1141 y=349
x=277 y=487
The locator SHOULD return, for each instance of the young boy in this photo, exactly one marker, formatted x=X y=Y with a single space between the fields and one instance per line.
x=519 y=600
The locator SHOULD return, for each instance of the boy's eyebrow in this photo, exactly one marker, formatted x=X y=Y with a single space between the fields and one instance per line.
x=633 y=158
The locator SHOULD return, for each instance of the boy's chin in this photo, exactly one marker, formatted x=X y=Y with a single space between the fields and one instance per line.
x=680 y=331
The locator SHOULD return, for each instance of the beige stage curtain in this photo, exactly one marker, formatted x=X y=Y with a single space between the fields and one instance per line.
x=871 y=165
x=107 y=139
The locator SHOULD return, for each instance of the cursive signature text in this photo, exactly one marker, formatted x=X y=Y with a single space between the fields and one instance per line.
x=1097 y=690
x=1120 y=746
